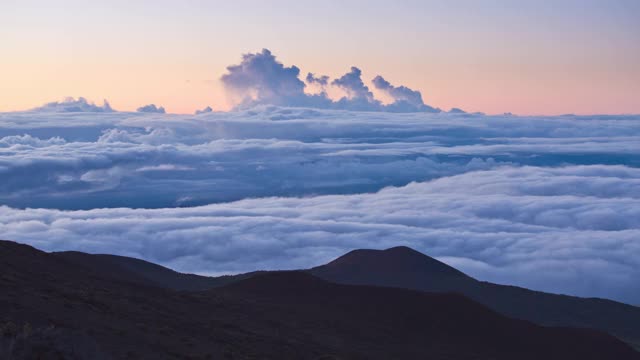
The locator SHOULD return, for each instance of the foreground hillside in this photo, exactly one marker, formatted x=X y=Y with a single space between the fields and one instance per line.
x=57 y=308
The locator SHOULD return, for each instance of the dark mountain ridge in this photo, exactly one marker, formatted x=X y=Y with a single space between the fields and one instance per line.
x=75 y=312
x=406 y=268
x=403 y=267
x=143 y=272
x=399 y=267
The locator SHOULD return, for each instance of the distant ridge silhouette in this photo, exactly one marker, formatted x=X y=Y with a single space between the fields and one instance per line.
x=395 y=267
x=406 y=268
x=144 y=272
x=400 y=267
x=53 y=307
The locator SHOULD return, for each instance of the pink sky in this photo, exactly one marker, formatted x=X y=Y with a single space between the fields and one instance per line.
x=526 y=57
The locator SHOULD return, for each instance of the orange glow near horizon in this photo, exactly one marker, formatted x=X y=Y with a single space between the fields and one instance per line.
x=536 y=57
x=492 y=89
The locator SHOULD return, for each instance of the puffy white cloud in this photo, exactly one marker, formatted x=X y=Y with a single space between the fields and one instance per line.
x=405 y=99
x=207 y=109
x=353 y=85
x=151 y=108
x=261 y=79
x=260 y=75
x=71 y=104
x=29 y=141
x=322 y=80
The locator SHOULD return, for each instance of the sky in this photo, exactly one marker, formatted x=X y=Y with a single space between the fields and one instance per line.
x=525 y=57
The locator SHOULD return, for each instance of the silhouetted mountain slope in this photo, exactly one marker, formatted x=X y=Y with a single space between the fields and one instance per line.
x=401 y=267
x=406 y=268
x=377 y=319
x=144 y=272
x=284 y=315
x=396 y=267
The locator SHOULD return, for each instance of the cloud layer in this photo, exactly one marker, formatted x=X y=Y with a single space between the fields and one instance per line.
x=87 y=160
x=570 y=230
x=551 y=203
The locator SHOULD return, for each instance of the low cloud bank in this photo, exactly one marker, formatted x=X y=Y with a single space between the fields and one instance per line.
x=92 y=160
x=551 y=203
x=568 y=230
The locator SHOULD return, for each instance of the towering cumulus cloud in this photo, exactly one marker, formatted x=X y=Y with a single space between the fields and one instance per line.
x=405 y=99
x=322 y=80
x=359 y=97
x=261 y=79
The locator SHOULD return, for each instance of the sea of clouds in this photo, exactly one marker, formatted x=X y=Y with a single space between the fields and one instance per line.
x=551 y=203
